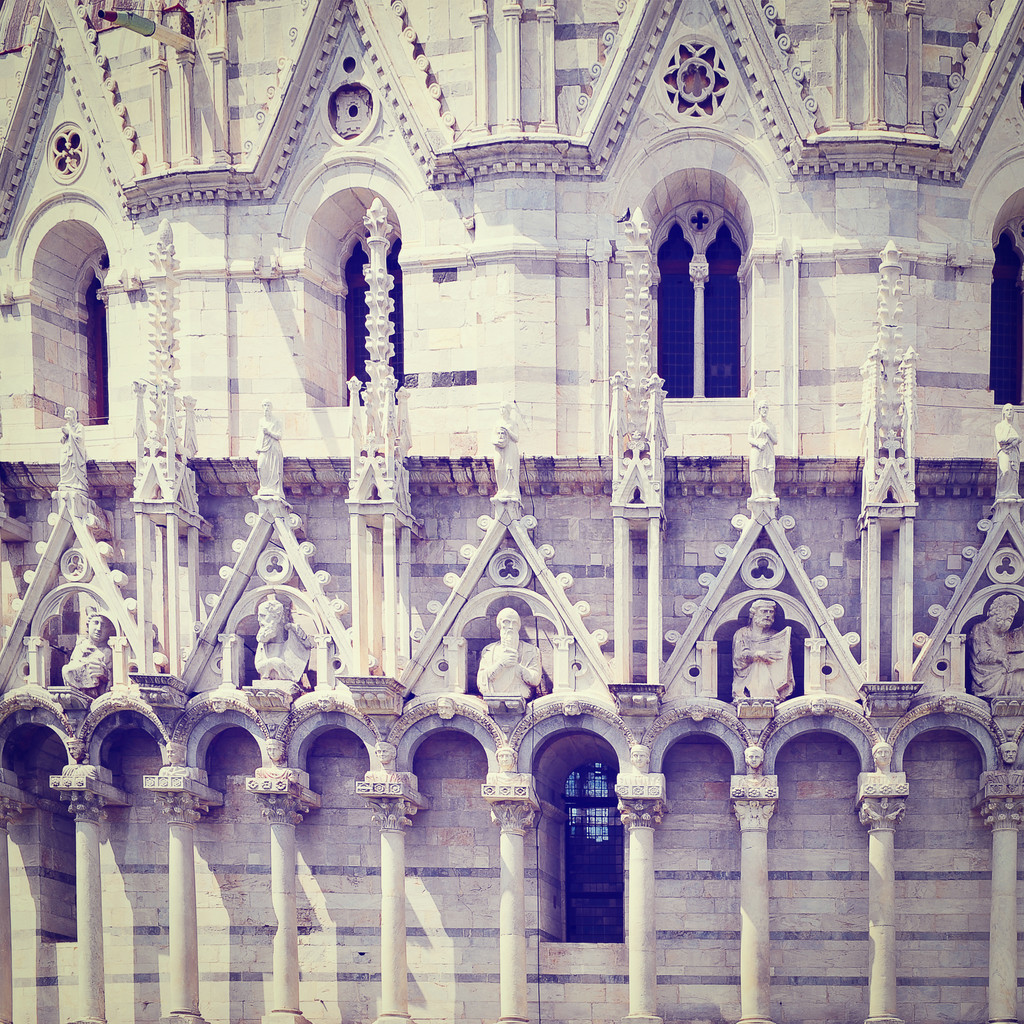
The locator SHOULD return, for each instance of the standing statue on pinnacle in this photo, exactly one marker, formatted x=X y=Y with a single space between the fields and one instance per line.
x=1007 y=456
x=270 y=455
x=763 y=436
x=506 y=454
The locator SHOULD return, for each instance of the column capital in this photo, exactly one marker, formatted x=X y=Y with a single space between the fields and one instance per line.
x=181 y=808
x=881 y=813
x=87 y=790
x=284 y=794
x=393 y=799
x=700 y=269
x=513 y=816
x=13 y=801
x=753 y=815
x=1002 y=812
x=644 y=812
x=182 y=793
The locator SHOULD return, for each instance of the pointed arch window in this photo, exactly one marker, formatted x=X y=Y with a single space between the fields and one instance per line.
x=1006 y=322
x=699 y=307
x=356 y=310
x=96 y=354
x=593 y=856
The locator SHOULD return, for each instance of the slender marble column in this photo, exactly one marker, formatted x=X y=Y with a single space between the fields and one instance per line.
x=478 y=19
x=182 y=798
x=546 y=27
x=87 y=809
x=9 y=809
x=640 y=816
x=513 y=56
x=1003 y=815
x=284 y=799
x=880 y=814
x=753 y=817
x=391 y=815
x=699 y=272
x=514 y=818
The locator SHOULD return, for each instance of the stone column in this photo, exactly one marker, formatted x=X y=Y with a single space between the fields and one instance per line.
x=641 y=805
x=10 y=808
x=87 y=791
x=546 y=28
x=1001 y=802
x=881 y=799
x=699 y=272
x=285 y=798
x=754 y=799
x=876 y=63
x=478 y=19
x=513 y=808
x=512 y=54
x=183 y=796
x=915 y=20
x=394 y=799
x=841 y=65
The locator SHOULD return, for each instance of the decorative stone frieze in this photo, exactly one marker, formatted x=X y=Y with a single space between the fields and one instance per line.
x=639 y=699
x=394 y=802
x=881 y=785
x=505 y=786
x=88 y=789
x=889 y=700
x=283 y=794
x=754 y=787
x=182 y=791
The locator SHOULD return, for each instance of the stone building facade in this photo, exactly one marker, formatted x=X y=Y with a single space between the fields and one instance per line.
x=506 y=513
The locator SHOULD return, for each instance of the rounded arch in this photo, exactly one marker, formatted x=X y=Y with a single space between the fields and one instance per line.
x=975 y=607
x=115 y=715
x=666 y=737
x=52 y=603
x=432 y=725
x=540 y=734
x=810 y=723
x=300 y=739
x=738 y=183
x=729 y=611
x=43 y=717
x=997 y=199
x=68 y=208
x=251 y=599
x=338 y=193
x=197 y=734
x=932 y=718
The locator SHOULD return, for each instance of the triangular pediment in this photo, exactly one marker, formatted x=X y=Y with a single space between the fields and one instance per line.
x=996 y=568
x=271 y=561
x=763 y=565
x=508 y=569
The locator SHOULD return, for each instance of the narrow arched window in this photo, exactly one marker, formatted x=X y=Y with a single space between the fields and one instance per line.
x=96 y=354
x=593 y=856
x=1005 y=352
x=722 y=318
x=675 y=315
x=356 y=310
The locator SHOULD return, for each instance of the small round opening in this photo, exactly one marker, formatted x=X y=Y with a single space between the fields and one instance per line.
x=577 y=666
x=941 y=666
x=353 y=110
x=827 y=670
x=693 y=671
x=442 y=666
x=349 y=64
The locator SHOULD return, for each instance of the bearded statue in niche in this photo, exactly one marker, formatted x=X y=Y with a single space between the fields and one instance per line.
x=510 y=667
x=762 y=662
x=996 y=651
x=282 y=650
x=89 y=668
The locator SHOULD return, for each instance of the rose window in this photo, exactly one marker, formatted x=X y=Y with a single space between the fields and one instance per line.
x=696 y=80
x=67 y=152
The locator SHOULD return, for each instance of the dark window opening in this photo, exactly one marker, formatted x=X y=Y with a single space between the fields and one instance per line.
x=593 y=856
x=356 y=310
x=1005 y=351
x=96 y=354
x=675 y=315
x=722 y=318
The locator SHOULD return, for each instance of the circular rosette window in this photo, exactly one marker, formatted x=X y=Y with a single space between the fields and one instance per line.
x=762 y=569
x=67 y=152
x=508 y=568
x=696 y=81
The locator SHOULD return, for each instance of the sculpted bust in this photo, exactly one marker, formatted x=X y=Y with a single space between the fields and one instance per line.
x=997 y=651
x=282 y=650
x=510 y=667
x=762 y=664
x=89 y=667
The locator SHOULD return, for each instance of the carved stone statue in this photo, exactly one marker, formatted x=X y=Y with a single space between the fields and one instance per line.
x=72 y=454
x=1007 y=456
x=510 y=667
x=763 y=436
x=282 y=650
x=762 y=663
x=753 y=757
x=506 y=455
x=640 y=758
x=997 y=651
x=89 y=668
x=270 y=455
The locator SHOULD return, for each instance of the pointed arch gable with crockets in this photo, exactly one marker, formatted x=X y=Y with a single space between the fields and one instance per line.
x=556 y=603
x=829 y=647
